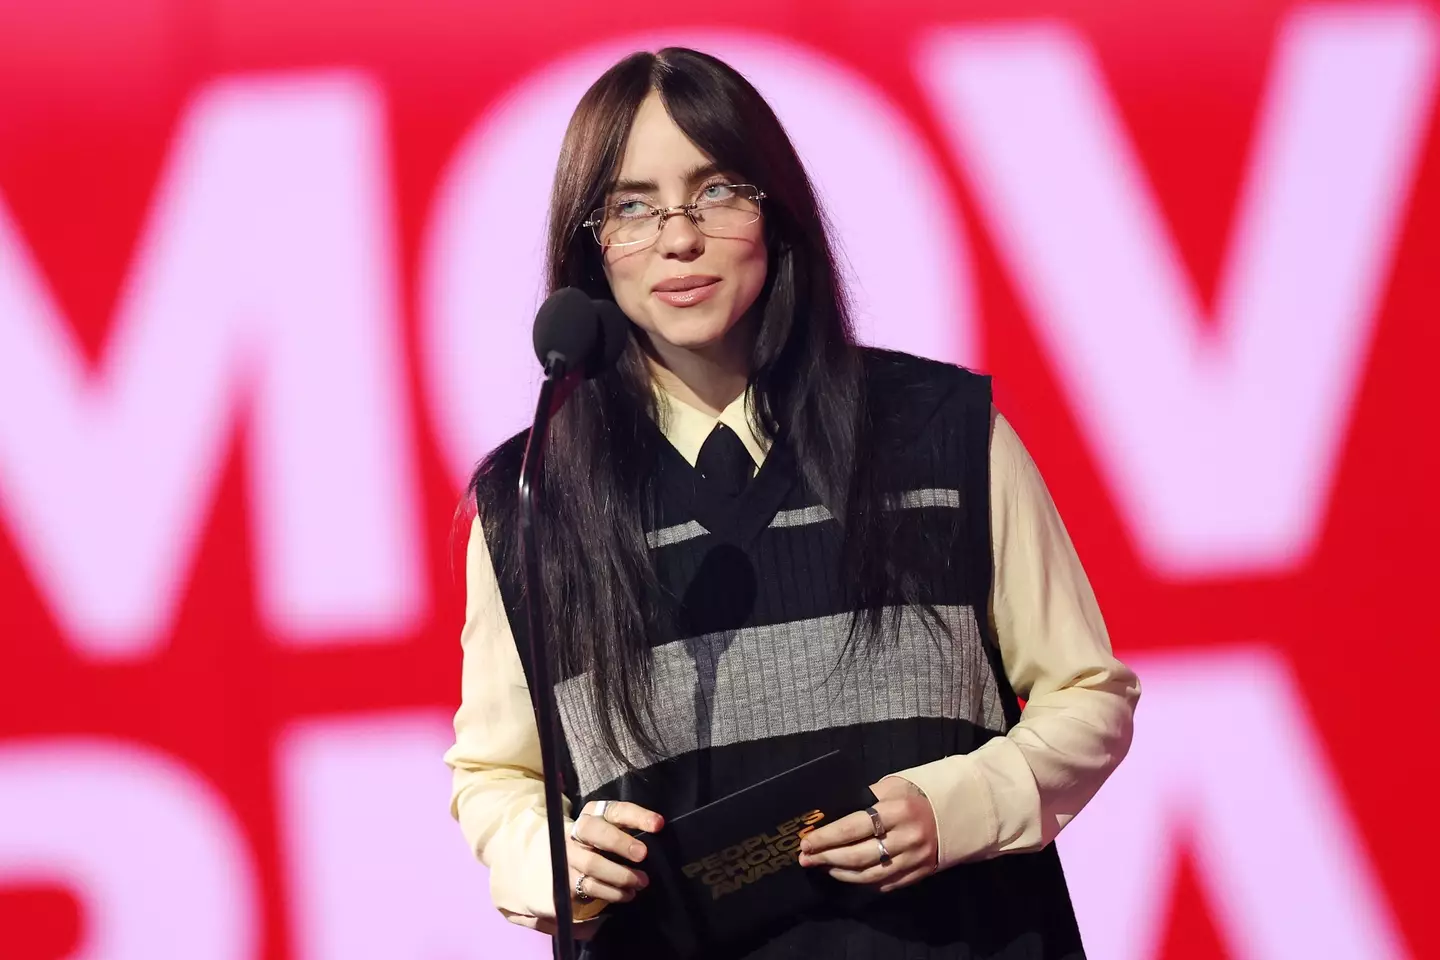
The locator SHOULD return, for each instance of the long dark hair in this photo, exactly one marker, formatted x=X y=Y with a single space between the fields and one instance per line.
x=806 y=373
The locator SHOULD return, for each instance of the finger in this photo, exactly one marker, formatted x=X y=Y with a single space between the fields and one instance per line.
x=865 y=851
x=861 y=878
x=874 y=871
x=857 y=856
x=914 y=875
x=597 y=889
x=605 y=870
x=594 y=832
x=846 y=830
x=623 y=813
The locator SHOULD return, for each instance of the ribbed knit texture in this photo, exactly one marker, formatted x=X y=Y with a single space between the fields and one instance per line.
x=760 y=673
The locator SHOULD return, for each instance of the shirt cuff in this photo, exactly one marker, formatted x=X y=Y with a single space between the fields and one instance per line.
x=985 y=802
x=582 y=929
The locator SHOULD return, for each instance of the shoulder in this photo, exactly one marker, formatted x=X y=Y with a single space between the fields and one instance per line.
x=1009 y=460
x=906 y=393
x=890 y=374
x=494 y=486
x=502 y=462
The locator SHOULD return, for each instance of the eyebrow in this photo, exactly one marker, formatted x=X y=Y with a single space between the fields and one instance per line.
x=692 y=176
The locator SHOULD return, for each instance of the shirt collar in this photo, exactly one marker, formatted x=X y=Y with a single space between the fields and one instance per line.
x=686 y=427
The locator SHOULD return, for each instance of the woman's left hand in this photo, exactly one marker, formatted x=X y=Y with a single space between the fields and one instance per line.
x=850 y=849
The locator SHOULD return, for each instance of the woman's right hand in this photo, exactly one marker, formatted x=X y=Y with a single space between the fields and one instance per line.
x=601 y=827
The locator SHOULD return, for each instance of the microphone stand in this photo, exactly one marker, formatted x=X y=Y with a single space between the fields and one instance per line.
x=542 y=690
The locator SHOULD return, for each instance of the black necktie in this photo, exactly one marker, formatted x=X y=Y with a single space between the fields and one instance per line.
x=724 y=461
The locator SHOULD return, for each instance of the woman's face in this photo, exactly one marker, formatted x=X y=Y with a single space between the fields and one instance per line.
x=686 y=290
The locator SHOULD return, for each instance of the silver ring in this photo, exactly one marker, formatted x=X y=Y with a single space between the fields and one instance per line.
x=575 y=832
x=580 y=893
x=600 y=807
x=877 y=828
x=884 y=854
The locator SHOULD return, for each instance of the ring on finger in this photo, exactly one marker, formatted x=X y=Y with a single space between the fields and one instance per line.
x=580 y=893
x=600 y=807
x=877 y=826
x=884 y=854
x=575 y=833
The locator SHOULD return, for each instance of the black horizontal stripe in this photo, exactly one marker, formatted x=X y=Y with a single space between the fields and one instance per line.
x=681 y=783
x=1015 y=906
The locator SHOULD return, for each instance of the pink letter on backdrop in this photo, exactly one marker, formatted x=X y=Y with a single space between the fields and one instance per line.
x=1220 y=449
x=1225 y=759
x=266 y=275
x=377 y=867
x=155 y=858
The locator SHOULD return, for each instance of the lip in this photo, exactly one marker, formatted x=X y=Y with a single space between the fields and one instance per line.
x=686 y=291
x=691 y=282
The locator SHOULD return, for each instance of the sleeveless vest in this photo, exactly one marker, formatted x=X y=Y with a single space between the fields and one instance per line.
x=759 y=672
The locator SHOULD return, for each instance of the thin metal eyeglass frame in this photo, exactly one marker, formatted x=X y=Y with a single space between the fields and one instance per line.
x=662 y=214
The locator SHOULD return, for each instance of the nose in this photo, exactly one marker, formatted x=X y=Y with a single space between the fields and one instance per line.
x=679 y=238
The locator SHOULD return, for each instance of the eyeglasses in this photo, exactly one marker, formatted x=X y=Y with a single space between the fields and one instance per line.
x=718 y=210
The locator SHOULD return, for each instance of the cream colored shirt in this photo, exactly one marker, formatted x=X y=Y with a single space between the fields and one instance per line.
x=1012 y=795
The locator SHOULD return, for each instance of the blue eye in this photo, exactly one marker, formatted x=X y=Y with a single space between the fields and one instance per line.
x=631 y=209
x=717 y=191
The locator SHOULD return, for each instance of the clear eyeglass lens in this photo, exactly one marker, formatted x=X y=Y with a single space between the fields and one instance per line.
x=717 y=213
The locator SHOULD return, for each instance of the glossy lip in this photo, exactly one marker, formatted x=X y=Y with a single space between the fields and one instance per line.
x=687 y=297
x=678 y=284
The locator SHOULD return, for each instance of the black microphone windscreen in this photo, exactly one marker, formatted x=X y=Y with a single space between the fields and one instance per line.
x=567 y=324
x=614 y=334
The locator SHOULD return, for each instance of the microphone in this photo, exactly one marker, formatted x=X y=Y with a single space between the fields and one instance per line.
x=575 y=338
x=614 y=334
x=577 y=335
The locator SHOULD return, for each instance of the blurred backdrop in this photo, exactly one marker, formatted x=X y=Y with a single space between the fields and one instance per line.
x=267 y=272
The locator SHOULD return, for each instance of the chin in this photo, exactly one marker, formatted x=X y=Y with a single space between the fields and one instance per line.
x=692 y=333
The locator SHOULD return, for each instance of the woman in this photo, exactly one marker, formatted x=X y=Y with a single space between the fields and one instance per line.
x=765 y=543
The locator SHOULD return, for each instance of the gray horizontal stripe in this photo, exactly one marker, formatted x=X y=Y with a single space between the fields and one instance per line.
x=930 y=497
x=759 y=682
x=801 y=517
x=911 y=499
x=678 y=533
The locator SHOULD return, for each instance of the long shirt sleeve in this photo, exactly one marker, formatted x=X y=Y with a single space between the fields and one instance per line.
x=1016 y=792
x=498 y=795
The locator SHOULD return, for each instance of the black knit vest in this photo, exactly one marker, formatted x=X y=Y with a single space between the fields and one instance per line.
x=757 y=674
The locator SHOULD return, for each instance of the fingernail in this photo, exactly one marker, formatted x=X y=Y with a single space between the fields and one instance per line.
x=637 y=851
x=644 y=880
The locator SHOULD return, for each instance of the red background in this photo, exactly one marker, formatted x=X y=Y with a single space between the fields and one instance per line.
x=90 y=94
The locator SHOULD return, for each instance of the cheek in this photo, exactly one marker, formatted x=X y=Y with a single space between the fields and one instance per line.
x=751 y=271
x=627 y=281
